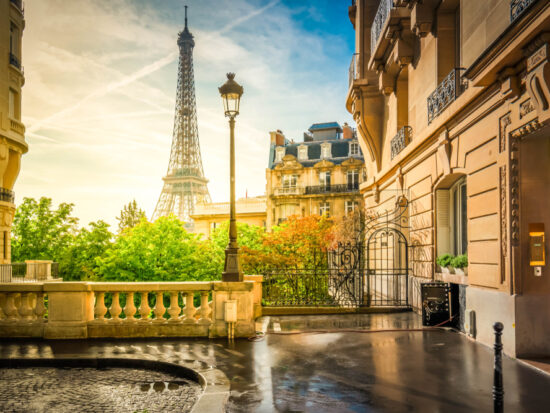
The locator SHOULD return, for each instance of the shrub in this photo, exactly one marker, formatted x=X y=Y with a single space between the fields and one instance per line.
x=460 y=261
x=444 y=260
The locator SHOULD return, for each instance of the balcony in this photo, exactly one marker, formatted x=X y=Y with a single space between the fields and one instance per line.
x=354 y=69
x=446 y=93
x=14 y=61
x=332 y=189
x=379 y=22
x=400 y=140
x=17 y=127
x=289 y=190
x=517 y=7
x=29 y=271
x=7 y=195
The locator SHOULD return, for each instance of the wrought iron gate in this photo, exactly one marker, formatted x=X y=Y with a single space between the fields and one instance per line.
x=387 y=258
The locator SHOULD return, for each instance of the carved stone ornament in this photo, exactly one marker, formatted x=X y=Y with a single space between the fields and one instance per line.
x=6 y=215
x=538 y=80
x=504 y=122
x=444 y=152
x=525 y=108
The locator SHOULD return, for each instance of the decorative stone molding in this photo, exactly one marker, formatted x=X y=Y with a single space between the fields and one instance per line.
x=422 y=16
x=538 y=76
x=289 y=162
x=503 y=221
x=444 y=152
x=525 y=108
x=504 y=122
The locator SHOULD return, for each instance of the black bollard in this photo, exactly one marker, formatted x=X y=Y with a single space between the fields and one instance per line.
x=498 y=390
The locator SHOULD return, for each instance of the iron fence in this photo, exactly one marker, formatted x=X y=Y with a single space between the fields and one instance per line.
x=14 y=61
x=7 y=195
x=28 y=272
x=354 y=68
x=379 y=22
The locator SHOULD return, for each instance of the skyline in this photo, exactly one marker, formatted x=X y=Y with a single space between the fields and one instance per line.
x=99 y=97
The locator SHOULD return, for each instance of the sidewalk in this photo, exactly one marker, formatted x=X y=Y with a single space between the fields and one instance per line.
x=415 y=371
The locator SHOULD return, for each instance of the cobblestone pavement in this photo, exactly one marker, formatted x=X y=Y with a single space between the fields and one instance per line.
x=44 y=389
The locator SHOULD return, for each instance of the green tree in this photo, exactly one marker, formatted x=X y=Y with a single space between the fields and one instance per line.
x=158 y=251
x=41 y=232
x=130 y=216
x=79 y=260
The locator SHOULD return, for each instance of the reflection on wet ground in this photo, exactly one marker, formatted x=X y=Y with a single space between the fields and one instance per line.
x=341 y=371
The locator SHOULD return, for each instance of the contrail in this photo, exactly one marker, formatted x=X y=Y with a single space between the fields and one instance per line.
x=145 y=71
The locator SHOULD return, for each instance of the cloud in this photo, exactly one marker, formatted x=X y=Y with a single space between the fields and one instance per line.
x=101 y=82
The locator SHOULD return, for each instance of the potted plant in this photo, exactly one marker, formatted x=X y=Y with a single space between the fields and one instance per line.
x=460 y=264
x=444 y=262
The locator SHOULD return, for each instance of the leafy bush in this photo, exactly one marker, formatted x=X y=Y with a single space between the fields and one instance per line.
x=460 y=261
x=444 y=260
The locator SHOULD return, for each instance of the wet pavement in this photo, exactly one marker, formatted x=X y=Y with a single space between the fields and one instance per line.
x=349 y=369
x=46 y=389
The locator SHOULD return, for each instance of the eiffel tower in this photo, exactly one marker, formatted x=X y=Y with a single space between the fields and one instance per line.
x=184 y=183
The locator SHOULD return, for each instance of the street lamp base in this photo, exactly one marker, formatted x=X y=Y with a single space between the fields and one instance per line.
x=232 y=269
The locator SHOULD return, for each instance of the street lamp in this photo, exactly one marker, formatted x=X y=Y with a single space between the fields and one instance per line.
x=231 y=93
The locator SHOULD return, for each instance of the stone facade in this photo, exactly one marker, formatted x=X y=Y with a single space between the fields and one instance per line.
x=12 y=131
x=320 y=175
x=207 y=217
x=469 y=83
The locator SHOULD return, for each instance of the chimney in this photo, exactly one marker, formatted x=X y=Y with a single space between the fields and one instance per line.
x=348 y=131
x=277 y=138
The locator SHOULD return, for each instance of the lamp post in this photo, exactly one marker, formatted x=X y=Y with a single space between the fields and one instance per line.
x=231 y=93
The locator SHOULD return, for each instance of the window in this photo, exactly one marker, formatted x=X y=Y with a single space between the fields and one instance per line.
x=13 y=105
x=353 y=148
x=325 y=151
x=302 y=153
x=459 y=227
x=279 y=153
x=13 y=39
x=351 y=206
x=452 y=219
x=289 y=181
x=324 y=179
x=353 y=179
x=324 y=209
x=287 y=210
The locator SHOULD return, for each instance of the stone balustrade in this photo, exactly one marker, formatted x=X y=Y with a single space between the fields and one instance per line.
x=136 y=309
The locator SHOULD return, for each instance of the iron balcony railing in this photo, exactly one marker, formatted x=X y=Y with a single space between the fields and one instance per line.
x=328 y=189
x=446 y=92
x=14 y=61
x=517 y=7
x=354 y=68
x=400 y=140
x=379 y=22
x=7 y=195
x=28 y=272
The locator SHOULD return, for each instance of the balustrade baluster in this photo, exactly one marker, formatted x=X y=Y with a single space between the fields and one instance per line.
x=130 y=307
x=10 y=309
x=2 y=304
x=115 y=308
x=144 y=309
x=100 y=310
x=160 y=309
x=205 y=309
x=174 y=309
x=189 y=309
x=39 y=308
x=25 y=310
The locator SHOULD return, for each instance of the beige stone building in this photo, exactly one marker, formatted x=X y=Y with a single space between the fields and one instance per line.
x=451 y=100
x=12 y=131
x=207 y=217
x=320 y=175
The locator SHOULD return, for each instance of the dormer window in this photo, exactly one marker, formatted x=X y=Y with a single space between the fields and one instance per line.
x=279 y=153
x=353 y=148
x=302 y=153
x=325 y=151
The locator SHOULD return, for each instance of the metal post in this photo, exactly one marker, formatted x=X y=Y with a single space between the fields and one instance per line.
x=498 y=390
x=232 y=269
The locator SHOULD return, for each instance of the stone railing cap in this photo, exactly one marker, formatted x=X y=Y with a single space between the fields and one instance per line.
x=233 y=286
x=21 y=287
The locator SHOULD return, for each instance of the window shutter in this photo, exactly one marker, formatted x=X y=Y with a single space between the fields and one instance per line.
x=443 y=221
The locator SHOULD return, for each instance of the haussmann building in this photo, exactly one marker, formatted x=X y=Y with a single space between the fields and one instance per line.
x=452 y=104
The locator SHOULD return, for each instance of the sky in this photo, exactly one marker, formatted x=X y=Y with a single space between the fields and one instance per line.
x=100 y=89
